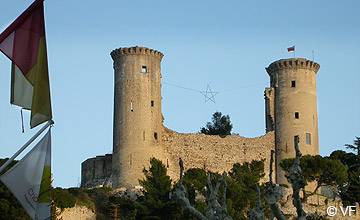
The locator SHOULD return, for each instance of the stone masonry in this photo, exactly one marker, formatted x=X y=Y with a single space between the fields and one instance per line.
x=291 y=109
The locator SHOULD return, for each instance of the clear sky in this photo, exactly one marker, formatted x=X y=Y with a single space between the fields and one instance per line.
x=223 y=44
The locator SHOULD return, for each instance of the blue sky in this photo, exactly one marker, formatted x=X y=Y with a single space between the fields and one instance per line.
x=224 y=44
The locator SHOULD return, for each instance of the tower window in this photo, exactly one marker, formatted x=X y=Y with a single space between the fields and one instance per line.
x=293 y=83
x=131 y=106
x=143 y=69
x=297 y=115
x=155 y=135
x=308 y=138
x=152 y=103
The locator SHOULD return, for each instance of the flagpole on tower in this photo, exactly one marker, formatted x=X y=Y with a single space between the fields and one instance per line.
x=313 y=53
x=291 y=49
x=50 y=122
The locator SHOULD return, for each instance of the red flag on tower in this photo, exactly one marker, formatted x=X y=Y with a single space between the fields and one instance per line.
x=23 y=42
x=291 y=48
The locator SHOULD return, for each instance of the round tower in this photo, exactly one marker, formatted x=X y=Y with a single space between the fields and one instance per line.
x=293 y=96
x=137 y=113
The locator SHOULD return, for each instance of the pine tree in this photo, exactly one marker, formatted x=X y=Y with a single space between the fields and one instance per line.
x=221 y=125
x=155 y=204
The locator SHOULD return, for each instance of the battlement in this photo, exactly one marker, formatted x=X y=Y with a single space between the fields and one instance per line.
x=293 y=63
x=135 y=50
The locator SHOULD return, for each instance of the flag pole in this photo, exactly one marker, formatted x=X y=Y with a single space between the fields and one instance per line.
x=50 y=122
x=313 y=53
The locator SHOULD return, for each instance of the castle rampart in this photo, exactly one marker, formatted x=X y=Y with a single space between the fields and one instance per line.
x=209 y=152
x=96 y=172
x=214 y=153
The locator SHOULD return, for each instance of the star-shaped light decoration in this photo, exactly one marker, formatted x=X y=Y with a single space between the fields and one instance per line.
x=209 y=95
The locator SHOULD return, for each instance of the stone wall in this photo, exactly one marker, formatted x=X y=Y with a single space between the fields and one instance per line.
x=213 y=152
x=76 y=212
x=317 y=204
x=96 y=172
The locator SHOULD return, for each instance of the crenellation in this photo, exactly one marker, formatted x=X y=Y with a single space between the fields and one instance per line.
x=292 y=63
x=135 y=50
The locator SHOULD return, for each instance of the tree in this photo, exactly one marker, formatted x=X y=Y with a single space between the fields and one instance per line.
x=323 y=170
x=241 y=191
x=155 y=204
x=350 y=191
x=349 y=159
x=356 y=146
x=220 y=125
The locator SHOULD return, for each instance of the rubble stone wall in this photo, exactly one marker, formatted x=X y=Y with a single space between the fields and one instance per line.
x=214 y=153
x=96 y=172
x=76 y=212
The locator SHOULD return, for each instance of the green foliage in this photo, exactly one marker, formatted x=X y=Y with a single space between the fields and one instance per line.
x=155 y=204
x=62 y=198
x=241 y=190
x=349 y=191
x=355 y=147
x=82 y=197
x=349 y=159
x=122 y=208
x=220 y=125
x=323 y=170
x=195 y=182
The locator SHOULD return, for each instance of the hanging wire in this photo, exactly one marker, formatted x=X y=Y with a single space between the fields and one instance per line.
x=226 y=90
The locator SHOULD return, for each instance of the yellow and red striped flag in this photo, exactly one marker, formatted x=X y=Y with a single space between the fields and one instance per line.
x=23 y=42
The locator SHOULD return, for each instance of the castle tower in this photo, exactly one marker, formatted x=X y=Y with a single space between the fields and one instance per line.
x=137 y=113
x=291 y=109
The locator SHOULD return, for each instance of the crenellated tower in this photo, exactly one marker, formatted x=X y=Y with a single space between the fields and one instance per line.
x=137 y=133
x=291 y=109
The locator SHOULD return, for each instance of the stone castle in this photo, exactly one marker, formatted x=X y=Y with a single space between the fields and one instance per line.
x=139 y=133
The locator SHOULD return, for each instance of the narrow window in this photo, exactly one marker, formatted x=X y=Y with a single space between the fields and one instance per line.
x=152 y=103
x=293 y=83
x=143 y=69
x=143 y=135
x=167 y=163
x=308 y=138
x=131 y=106
x=155 y=136
x=297 y=115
